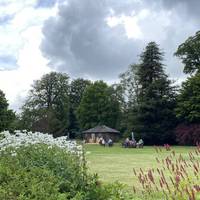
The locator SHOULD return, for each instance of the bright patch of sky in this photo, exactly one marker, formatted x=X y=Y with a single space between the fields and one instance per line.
x=129 y=22
x=21 y=60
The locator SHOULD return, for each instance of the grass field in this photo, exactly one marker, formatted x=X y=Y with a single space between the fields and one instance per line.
x=117 y=163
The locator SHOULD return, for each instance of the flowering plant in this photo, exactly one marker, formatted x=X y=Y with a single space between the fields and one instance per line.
x=167 y=147
x=24 y=138
x=176 y=177
x=38 y=166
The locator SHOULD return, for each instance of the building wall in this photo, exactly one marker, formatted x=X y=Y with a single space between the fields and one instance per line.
x=94 y=137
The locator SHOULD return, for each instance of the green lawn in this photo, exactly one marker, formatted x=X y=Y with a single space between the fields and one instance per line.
x=117 y=163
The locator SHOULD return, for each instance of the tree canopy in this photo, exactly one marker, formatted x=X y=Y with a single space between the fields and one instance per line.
x=189 y=53
x=153 y=111
x=77 y=89
x=7 y=116
x=188 y=102
x=46 y=108
x=98 y=106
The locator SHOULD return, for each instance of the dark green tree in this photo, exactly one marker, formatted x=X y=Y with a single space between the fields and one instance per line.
x=188 y=111
x=188 y=101
x=189 y=53
x=98 y=106
x=7 y=116
x=153 y=111
x=77 y=89
x=47 y=107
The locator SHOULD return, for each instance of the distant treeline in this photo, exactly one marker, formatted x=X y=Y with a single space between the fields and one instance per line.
x=144 y=101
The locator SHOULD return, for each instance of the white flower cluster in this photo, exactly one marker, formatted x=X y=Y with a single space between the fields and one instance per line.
x=24 y=138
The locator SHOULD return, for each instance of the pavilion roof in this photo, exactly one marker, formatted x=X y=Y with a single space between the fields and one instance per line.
x=101 y=129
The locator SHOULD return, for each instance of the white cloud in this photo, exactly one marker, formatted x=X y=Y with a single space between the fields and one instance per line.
x=21 y=38
x=130 y=23
x=31 y=64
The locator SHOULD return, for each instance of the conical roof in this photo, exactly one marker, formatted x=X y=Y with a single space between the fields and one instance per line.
x=101 y=129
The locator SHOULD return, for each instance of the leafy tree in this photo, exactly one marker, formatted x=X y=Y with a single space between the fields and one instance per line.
x=98 y=106
x=7 y=116
x=129 y=85
x=188 y=101
x=116 y=90
x=153 y=111
x=189 y=53
x=47 y=107
x=77 y=89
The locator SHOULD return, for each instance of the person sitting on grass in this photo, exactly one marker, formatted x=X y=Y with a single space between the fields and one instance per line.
x=110 y=142
x=132 y=143
x=126 y=143
x=100 y=140
x=103 y=143
x=140 y=143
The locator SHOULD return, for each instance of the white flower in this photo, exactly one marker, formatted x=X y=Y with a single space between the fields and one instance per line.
x=13 y=154
x=24 y=138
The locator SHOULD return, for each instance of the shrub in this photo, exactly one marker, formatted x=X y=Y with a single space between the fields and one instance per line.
x=49 y=171
x=188 y=134
x=24 y=138
x=39 y=172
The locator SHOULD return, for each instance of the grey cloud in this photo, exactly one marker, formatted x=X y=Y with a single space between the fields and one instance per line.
x=45 y=3
x=7 y=62
x=187 y=9
x=191 y=4
x=79 y=42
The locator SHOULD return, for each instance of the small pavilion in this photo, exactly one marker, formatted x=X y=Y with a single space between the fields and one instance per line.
x=93 y=135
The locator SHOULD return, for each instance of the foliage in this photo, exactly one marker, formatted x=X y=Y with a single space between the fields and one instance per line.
x=24 y=138
x=188 y=101
x=129 y=86
x=6 y=116
x=175 y=178
x=129 y=83
x=42 y=170
x=39 y=172
x=117 y=93
x=189 y=53
x=47 y=107
x=188 y=134
x=151 y=109
x=77 y=89
x=98 y=106
x=188 y=112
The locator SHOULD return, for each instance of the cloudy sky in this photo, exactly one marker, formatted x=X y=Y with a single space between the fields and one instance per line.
x=95 y=39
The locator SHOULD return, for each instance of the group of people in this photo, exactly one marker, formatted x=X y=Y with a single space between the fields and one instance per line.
x=103 y=142
x=132 y=143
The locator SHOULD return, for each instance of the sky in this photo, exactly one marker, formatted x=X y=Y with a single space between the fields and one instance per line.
x=94 y=39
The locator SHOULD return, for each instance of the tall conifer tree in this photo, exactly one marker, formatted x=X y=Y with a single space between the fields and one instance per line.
x=154 y=117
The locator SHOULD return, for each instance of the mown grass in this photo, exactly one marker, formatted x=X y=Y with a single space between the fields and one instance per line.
x=117 y=163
